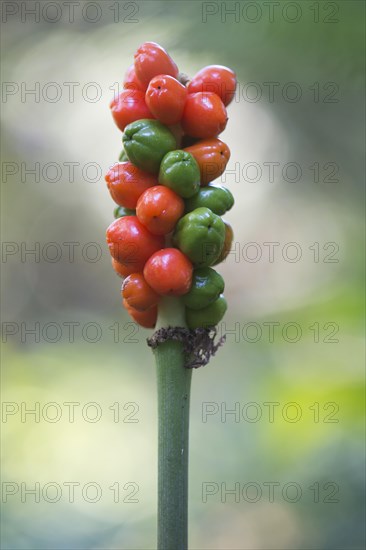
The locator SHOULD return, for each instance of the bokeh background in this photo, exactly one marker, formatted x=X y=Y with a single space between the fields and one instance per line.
x=83 y=351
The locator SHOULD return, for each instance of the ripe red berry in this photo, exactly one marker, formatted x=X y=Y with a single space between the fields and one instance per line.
x=124 y=270
x=152 y=60
x=138 y=294
x=126 y=183
x=159 y=208
x=165 y=97
x=146 y=319
x=212 y=156
x=129 y=106
x=204 y=115
x=217 y=79
x=131 y=243
x=131 y=81
x=169 y=272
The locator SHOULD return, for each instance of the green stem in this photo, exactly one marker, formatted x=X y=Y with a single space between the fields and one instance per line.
x=174 y=383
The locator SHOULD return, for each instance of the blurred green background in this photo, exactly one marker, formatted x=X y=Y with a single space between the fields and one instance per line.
x=308 y=374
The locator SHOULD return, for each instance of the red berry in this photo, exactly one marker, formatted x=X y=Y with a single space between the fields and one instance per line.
x=212 y=156
x=124 y=270
x=169 y=272
x=165 y=97
x=131 y=243
x=146 y=319
x=131 y=81
x=152 y=60
x=138 y=294
x=204 y=115
x=129 y=106
x=126 y=183
x=159 y=208
x=217 y=79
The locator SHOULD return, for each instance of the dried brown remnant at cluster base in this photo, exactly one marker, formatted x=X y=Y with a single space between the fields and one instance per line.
x=199 y=344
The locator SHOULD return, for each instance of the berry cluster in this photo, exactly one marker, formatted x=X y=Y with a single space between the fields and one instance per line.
x=168 y=229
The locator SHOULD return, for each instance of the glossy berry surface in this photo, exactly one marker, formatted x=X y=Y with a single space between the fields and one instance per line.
x=212 y=156
x=131 y=81
x=169 y=272
x=137 y=293
x=168 y=229
x=204 y=115
x=146 y=319
x=217 y=79
x=129 y=106
x=152 y=60
x=130 y=242
x=165 y=97
x=126 y=183
x=159 y=208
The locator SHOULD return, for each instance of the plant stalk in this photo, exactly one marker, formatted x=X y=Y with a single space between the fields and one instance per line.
x=174 y=384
